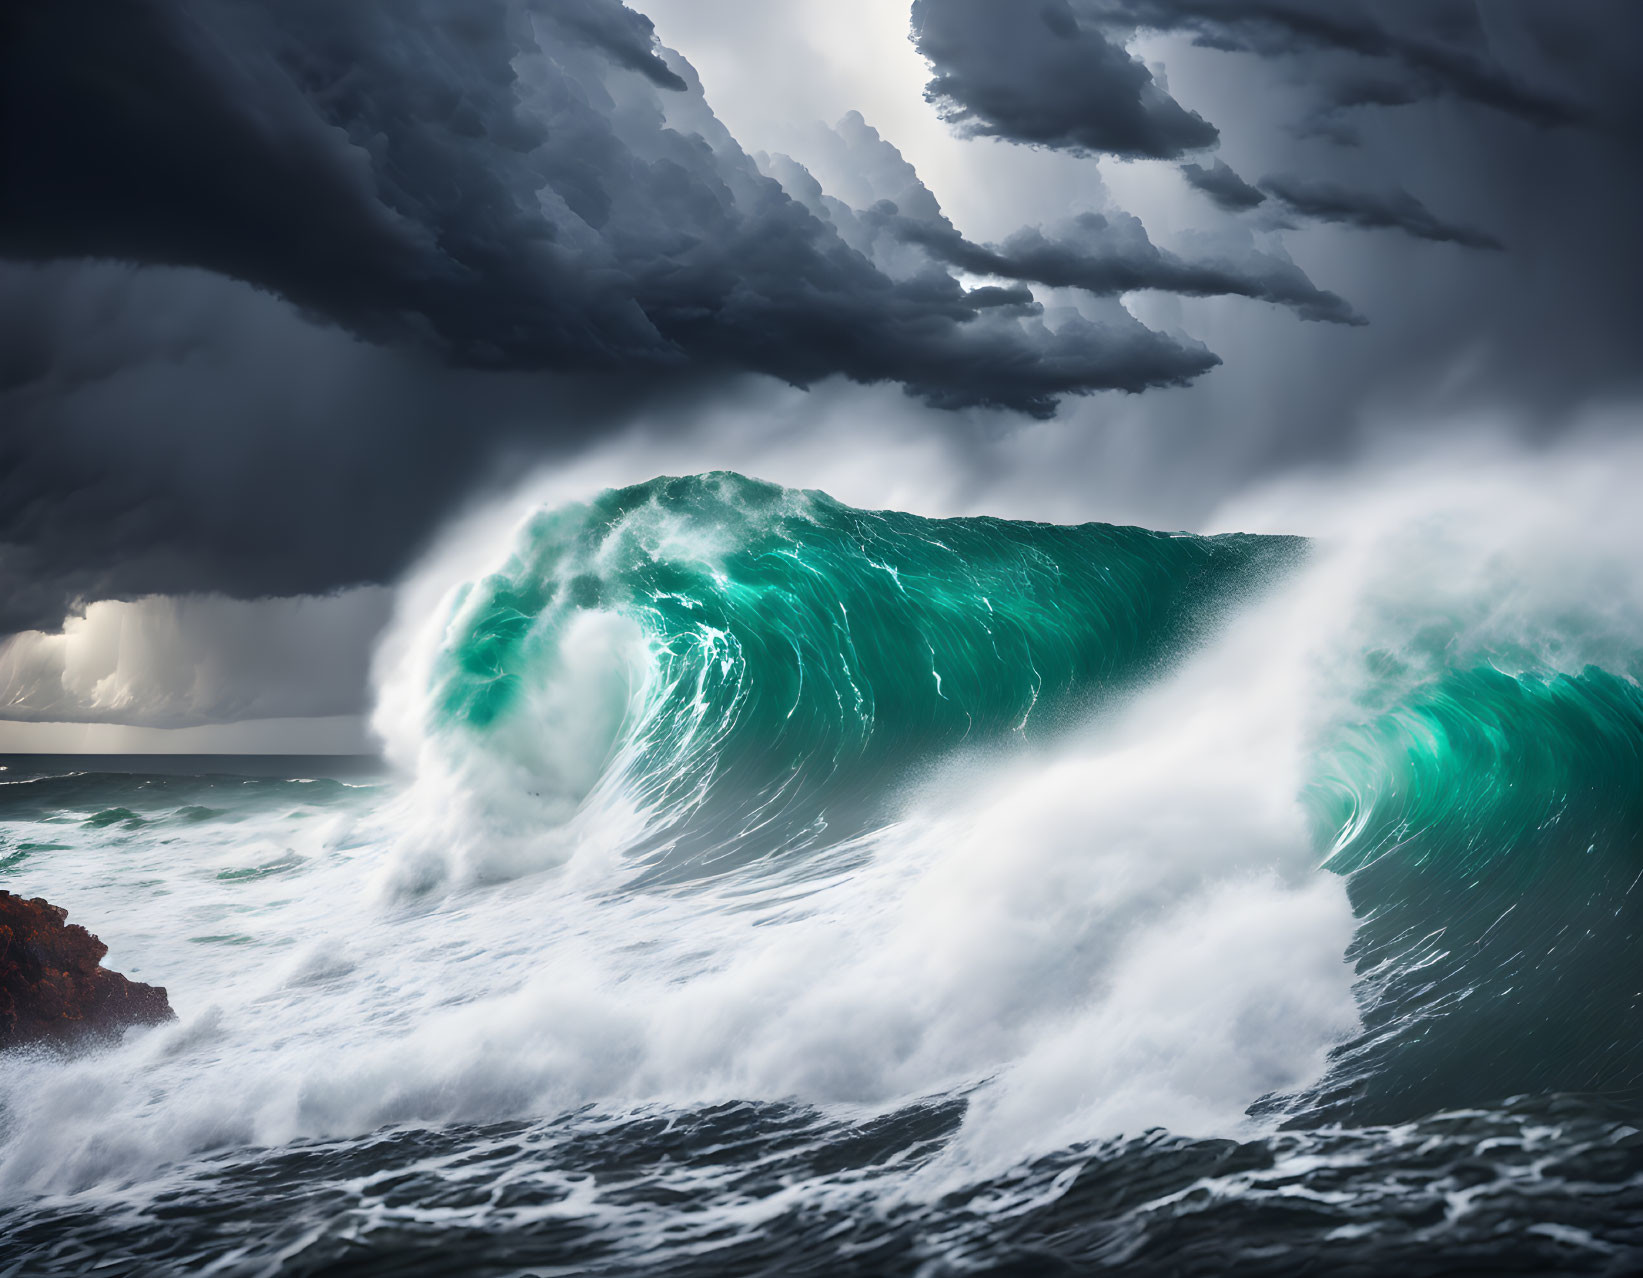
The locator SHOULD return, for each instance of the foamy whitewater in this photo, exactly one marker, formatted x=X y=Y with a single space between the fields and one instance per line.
x=764 y=885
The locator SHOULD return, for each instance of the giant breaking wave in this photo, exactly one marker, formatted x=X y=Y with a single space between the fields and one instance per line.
x=722 y=793
x=714 y=674
x=752 y=669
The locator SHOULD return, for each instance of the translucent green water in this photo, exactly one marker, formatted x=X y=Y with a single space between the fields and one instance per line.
x=804 y=652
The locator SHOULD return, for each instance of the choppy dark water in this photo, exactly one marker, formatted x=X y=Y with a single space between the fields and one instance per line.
x=1536 y=1187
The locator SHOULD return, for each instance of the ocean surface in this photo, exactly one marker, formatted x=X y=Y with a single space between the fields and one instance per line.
x=758 y=885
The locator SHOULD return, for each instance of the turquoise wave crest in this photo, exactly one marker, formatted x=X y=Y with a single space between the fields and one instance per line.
x=800 y=654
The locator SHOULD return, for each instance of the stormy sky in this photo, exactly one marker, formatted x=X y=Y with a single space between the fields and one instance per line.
x=286 y=286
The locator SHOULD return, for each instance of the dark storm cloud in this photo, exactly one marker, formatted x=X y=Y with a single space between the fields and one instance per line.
x=1223 y=185
x=169 y=431
x=485 y=177
x=1394 y=209
x=1037 y=73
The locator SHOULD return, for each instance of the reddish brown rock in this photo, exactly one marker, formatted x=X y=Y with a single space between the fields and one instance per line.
x=53 y=987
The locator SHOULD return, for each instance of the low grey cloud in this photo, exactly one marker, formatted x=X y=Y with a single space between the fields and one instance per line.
x=1046 y=75
x=1223 y=185
x=1392 y=54
x=626 y=37
x=1104 y=254
x=1059 y=74
x=1109 y=255
x=1394 y=209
